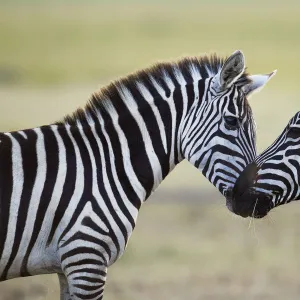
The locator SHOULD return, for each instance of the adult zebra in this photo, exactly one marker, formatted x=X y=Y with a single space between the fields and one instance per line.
x=273 y=178
x=71 y=191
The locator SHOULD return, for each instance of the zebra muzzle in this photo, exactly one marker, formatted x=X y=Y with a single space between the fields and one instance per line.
x=246 y=200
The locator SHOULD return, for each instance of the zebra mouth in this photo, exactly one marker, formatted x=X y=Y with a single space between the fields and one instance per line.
x=247 y=200
x=251 y=203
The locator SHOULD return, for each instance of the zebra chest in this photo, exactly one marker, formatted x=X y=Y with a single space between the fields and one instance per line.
x=96 y=235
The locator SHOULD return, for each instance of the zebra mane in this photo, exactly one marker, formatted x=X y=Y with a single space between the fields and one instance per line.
x=206 y=66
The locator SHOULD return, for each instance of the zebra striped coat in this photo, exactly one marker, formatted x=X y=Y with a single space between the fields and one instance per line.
x=71 y=191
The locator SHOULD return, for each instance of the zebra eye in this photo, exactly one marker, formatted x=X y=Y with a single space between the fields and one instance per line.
x=294 y=132
x=232 y=122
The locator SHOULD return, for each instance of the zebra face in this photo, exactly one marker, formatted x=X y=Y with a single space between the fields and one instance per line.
x=219 y=137
x=273 y=178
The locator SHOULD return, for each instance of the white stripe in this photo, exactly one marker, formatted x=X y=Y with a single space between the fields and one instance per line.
x=23 y=134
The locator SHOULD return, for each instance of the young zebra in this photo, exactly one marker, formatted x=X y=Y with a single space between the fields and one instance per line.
x=273 y=178
x=71 y=191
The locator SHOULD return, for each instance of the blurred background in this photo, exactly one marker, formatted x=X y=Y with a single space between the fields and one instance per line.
x=54 y=54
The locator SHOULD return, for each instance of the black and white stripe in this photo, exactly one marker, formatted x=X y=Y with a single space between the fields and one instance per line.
x=71 y=191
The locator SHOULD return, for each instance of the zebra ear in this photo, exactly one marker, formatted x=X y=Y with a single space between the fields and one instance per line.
x=232 y=69
x=257 y=83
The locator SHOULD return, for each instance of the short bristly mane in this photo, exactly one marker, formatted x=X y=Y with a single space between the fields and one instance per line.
x=207 y=66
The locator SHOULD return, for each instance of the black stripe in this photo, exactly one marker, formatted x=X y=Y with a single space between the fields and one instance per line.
x=88 y=296
x=89 y=288
x=80 y=250
x=88 y=279
x=178 y=101
x=96 y=271
x=87 y=261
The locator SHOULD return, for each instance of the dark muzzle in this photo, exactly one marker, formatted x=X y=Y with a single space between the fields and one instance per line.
x=245 y=200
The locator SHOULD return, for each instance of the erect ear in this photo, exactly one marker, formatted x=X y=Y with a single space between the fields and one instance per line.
x=232 y=69
x=257 y=83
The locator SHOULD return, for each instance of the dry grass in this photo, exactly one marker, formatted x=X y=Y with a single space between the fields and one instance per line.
x=187 y=250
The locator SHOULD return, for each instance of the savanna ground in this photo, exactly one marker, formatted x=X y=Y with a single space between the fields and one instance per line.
x=53 y=54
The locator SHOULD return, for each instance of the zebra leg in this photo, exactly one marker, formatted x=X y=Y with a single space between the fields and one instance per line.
x=87 y=283
x=64 y=287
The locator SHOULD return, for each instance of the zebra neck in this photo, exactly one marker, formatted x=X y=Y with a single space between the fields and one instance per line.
x=145 y=134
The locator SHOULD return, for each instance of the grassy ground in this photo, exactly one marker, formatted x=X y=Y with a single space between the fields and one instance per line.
x=189 y=251
x=186 y=244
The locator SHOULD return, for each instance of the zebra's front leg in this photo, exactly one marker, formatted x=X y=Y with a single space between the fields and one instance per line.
x=64 y=287
x=86 y=282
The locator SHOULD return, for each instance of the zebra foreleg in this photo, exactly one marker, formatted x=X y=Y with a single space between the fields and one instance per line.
x=64 y=288
x=87 y=283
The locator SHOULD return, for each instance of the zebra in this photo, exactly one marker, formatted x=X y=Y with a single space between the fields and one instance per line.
x=71 y=191
x=273 y=178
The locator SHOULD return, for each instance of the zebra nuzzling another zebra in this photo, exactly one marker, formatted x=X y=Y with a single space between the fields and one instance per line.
x=273 y=178
x=71 y=191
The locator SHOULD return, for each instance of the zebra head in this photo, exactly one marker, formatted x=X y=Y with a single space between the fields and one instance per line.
x=273 y=178
x=219 y=133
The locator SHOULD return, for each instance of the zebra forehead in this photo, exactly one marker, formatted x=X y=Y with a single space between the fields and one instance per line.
x=187 y=69
x=241 y=105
